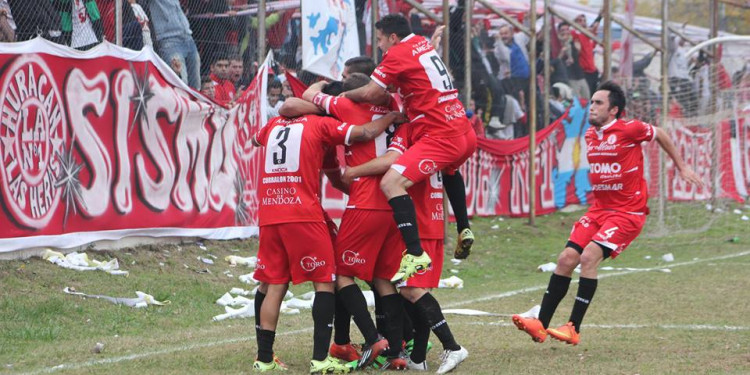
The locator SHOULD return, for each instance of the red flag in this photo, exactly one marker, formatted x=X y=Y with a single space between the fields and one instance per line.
x=297 y=86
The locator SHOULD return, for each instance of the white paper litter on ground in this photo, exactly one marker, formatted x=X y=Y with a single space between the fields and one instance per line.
x=737 y=211
x=308 y=296
x=745 y=218
x=248 y=279
x=142 y=300
x=369 y=298
x=668 y=257
x=248 y=311
x=81 y=262
x=454 y=271
x=206 y=260
x=456 y=261
x=647 y=257
x=228 y=300
x=296 y=303
x=577 y=269
x=532 y=313
x=240 y=291
x=495 y=227
x=452 y=282
x=467 y=312
x=235 y=260
x=547 y=267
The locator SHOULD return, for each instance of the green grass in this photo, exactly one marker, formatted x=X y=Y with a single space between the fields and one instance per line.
x=639 y=322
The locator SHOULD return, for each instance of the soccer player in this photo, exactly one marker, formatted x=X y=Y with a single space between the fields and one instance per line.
x=359 y=64
x=368 y=234
x=444 y=135
x=615 y=218
x=294 y=241
x=422 y=306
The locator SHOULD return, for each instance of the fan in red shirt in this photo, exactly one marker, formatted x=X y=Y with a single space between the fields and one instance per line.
x=444 y=138
x=422 y=306
x=223 y=87
x=615 y=218
x=294 y=241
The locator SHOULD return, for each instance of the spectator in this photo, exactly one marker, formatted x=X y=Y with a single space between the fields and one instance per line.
x=286 y=90
x=274 y=99
x=511 y=124
x=556 y=105
x=142 y=18
x=586 y=51
x=174 y=38
x=224 y=90
x=7 y=26
x=36 y=17
x=236 y=72
x=678 y=73
x=569 y=53
x=516 y=77
x=132 y=36
x=207 y=87
x=81 y=23
x=475 y=118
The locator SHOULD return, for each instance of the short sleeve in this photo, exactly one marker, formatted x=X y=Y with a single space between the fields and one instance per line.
x=261 y=136
x=641 y=131
x=387 y=72
x=400 y=141
x=335 y=132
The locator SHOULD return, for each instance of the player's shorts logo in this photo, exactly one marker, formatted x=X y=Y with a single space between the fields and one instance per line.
x=612 y=139
x=427 y=166
x=352 y=258
x=309 y=263
x=32 y=139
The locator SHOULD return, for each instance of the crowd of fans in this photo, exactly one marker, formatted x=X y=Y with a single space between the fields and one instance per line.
x=212 y=46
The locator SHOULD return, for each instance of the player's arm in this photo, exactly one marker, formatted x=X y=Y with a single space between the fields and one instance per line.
x=371 y=93
x=313 y=90
x=337 y=181
x=371 y=130
x=687 y=173
x=295 y=107
x=375 y=166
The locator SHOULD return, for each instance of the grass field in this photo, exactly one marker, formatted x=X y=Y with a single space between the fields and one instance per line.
x=641 y=321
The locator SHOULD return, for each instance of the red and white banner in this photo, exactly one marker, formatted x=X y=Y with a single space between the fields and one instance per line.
x=109 y=143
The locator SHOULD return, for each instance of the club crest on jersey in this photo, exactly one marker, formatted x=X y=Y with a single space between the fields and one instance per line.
x=612 y=139
x=309 y=263
x=427 y=166
x=352 y=258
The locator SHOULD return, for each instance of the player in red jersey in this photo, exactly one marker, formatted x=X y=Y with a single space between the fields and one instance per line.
x=444 y=137
x=615 y=218
x=368 y=235
x=422 y=306
x=294 y=241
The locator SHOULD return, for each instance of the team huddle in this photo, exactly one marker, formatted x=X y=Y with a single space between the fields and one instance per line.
x=406 y=134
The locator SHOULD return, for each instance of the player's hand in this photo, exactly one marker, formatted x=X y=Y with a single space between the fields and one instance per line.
x=437 y=36
x=399 y=118
x=689 y=175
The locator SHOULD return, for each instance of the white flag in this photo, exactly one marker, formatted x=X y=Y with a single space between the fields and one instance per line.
x=329 y=36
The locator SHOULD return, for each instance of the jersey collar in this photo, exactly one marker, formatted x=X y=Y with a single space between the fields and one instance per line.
x=600 y=131
x=407 y=38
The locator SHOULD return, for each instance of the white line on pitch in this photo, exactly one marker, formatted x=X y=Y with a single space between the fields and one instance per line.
x=182 y=348
x=601 y=276
x=685 y=327
x=174 y=349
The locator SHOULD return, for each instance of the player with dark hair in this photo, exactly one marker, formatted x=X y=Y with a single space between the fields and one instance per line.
x=615 y=218
x=359 y=64
x=444 y=137
x=294 y=241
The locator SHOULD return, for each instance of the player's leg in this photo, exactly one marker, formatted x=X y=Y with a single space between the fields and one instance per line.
x=455 y=187
x=273 y=273
x=322 y=312
x=342 y=347
x=393 y=316
x=559 y=282
x=418 y=353
x=354 y=301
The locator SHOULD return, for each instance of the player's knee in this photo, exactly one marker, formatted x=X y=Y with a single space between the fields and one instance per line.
x=590 y=259
x=567 y=262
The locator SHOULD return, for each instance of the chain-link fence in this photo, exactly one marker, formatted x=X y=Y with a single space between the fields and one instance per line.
x=217 y=45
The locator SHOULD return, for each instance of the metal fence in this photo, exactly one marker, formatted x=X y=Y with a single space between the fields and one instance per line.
x=227 y=39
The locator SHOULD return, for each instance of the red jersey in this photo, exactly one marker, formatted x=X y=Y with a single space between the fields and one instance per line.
x=364 y=192
x=427 y=195
x=292 y=159
x=416 y=72
x=616 y=165
x=586 y=54
x=223 y=90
